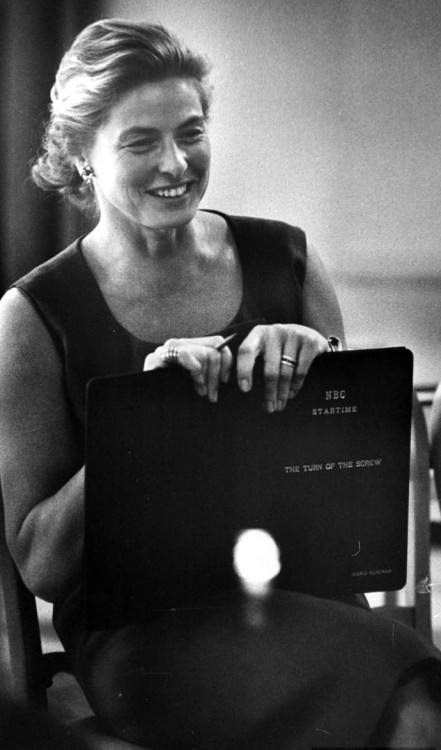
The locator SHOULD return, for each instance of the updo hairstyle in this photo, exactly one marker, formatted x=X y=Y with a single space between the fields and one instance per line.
x=106 y=60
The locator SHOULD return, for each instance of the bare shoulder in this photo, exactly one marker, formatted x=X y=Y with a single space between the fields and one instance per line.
x=16 y=304
x=36 y=432
x=25 y=343
x=18 y=317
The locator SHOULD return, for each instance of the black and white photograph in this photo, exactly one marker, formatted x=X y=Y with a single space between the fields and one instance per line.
x=220 y=374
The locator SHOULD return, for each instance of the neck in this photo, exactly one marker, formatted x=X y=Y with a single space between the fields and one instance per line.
x=137 y=243
x=130 y=255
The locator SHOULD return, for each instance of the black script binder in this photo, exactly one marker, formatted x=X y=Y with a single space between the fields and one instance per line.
x=171 y=479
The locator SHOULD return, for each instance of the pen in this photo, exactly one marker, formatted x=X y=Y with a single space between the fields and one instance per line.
x=225 y=343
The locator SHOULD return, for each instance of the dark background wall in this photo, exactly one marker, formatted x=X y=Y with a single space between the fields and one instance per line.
x=33 y=35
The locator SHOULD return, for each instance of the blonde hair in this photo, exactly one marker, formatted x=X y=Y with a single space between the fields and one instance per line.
x=108 y=58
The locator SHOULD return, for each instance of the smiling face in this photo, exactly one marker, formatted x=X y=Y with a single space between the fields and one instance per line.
x=151 y=157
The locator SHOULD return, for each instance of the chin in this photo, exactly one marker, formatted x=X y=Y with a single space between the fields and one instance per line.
x=172 y=219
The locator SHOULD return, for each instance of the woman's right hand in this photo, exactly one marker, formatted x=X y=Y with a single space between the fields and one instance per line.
x=206 y=365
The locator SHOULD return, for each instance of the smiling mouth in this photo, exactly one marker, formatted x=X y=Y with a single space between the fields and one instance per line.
x=171 y=192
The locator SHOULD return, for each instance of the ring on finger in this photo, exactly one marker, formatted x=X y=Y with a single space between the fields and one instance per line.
x=171 y=355
x=288 y=361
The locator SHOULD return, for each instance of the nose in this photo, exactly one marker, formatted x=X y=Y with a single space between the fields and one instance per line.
x=173 y=160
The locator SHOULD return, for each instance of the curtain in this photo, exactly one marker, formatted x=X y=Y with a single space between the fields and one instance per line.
x=33 y=35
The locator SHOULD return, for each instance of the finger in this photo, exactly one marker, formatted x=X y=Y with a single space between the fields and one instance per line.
x=205 y=343
x=213 y=369
x=153 y=361
x=288 y=366
x=247 y=354
x=202 y=340
x=195 y=362
x=308 y=351
x=226 y=363
x=299 y=376
x=271 y=372
x=161 y=357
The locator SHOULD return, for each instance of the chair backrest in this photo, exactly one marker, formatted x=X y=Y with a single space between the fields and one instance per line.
x=30 y=671
x=435 y=439
x=412 y=604
x=419 y=522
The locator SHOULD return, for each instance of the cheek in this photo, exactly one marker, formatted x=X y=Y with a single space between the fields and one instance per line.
x=201 y=161
x=127 y=179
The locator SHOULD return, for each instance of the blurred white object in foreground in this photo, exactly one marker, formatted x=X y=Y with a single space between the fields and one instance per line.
x=256 y=562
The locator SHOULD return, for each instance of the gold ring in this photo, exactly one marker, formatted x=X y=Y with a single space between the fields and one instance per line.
x=289 y=361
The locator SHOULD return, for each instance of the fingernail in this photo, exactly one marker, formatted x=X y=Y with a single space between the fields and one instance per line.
x=214 y=397
x=201 y=390
x=269 y=406
x=244 y=385
x=280 y=405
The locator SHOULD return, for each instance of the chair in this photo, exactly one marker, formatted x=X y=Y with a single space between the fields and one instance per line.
x=435 y=439
x=412 y=604
x=33 y=672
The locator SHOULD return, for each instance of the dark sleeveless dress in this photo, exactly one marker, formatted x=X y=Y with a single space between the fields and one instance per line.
x=320 y=672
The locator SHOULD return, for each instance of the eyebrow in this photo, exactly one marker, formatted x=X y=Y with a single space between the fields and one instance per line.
x=138 y=130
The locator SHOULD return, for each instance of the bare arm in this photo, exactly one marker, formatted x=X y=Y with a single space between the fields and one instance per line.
x=321 y=310
x=299 y=343
x=40 y=464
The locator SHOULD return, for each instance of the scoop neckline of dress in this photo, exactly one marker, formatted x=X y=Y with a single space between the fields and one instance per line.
x=116 y=324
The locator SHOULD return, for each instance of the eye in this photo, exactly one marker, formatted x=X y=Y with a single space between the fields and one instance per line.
x=141 y=145
x=192 y=135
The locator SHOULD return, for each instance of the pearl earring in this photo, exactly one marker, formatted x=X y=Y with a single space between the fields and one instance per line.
x=87 y=173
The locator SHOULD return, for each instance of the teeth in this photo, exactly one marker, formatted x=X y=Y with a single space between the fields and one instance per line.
x=171 y=192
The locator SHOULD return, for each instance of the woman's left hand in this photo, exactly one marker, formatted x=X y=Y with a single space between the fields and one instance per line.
x=207 y=364
x=288 y=351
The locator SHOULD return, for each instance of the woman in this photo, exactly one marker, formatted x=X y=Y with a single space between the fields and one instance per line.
x=159 y=281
